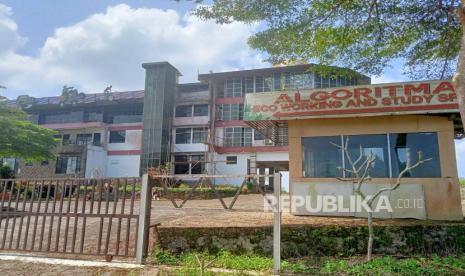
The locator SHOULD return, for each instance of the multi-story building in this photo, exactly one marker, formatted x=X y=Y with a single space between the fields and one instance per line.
x=114 y=134
x=100 y=134
x=240 y=149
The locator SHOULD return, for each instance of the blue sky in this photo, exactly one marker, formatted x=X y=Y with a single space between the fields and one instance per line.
x=91 y=44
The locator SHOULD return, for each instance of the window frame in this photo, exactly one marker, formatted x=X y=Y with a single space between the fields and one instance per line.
x=389 y=158
x=118 y=141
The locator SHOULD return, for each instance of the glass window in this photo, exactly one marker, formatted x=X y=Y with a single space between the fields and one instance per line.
x=183 y=135
x=287 y=81
x=259 y=84
x=181 y=164
x=118 y=136
x=233 y=88
x=324 y=82
x=376 y=145
x=405 y=148
x=249 y=85
x=201 y=110
x=277 y=82
x=231 y=160
x=258 y=135
x=183 y=111
x=68 y=165
x=199 y=135
x=268 y=84
x=96 y=139
x=333 y=81
x=317 y=81
x=237 y=137
x=197 y=164
x=247 y=137
x=320 y=158
x=84 y=139
x=66 y=139
x=228 y=112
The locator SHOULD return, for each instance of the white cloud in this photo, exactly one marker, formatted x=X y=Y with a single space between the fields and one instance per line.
x=109 y=48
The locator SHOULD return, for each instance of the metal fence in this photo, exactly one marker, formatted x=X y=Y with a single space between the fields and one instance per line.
x=71 y=216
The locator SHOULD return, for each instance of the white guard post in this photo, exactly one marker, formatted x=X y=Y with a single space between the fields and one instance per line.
x=277 y=225
x=144 y=219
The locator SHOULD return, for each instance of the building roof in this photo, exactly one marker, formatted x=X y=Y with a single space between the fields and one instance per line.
x=270 y=70
x=80 y=99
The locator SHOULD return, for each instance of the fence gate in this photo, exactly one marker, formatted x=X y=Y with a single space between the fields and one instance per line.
x=70 y=216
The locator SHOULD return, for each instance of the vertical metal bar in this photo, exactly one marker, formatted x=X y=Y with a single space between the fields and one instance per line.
x=7 y=222
x=34 y=231
x=12 y=232
x=131 y=212
x=115 y=201
x=44 y=219
x=23 y=209
x=60 y=217
x=31 y=203
x=118 y=230
x=76 y=215
x=84 y=219
x=68 y=210
x=144 y=220
x=277 y=225
x=3 y=199
x=99 y=205
x=52 y=217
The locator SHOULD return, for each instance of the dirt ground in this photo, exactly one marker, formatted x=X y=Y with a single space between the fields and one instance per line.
x=248 y=211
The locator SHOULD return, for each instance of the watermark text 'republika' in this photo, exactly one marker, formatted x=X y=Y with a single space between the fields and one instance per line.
x=341 y=204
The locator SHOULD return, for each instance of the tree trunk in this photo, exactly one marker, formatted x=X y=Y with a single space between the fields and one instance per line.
x=370 y=235
x=459 y=78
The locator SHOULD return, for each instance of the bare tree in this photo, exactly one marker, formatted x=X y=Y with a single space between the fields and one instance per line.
x=359 y=171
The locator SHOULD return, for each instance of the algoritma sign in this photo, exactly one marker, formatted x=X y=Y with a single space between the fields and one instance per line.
x=367 y=100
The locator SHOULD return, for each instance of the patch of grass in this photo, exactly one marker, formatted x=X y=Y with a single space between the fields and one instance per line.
x=462 y=182
x=342 y=266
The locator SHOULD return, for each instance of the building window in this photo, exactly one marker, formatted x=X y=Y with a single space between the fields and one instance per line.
x=181 y=164
x=189 y=164
x=320 y=158
x=232 y=88
x=231 y=160
x=197 y=164
x=405 y=147
x=97 y=139
x=183 y=111
x=66 y=139
x=228 y=112
x=84 y=139
x=249 y=85
x=237 y=137
x=392 y=152
x=201 y=110
x=68 y=165
x=376 y=145
x=258 y=136
x=118 y=136
x=183 y=135
x=199 y=135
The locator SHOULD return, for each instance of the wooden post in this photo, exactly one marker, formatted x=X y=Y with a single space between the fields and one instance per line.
x=277 y=225
x=144 y=220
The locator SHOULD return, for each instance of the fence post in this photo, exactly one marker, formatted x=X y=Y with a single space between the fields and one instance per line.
x=277 y=224
x=144 y=219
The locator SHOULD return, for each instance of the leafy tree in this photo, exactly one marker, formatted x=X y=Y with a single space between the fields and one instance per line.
x=364 y=35
x=23 y=139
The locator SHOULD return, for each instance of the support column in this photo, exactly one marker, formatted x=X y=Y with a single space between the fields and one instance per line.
x=144 y=220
